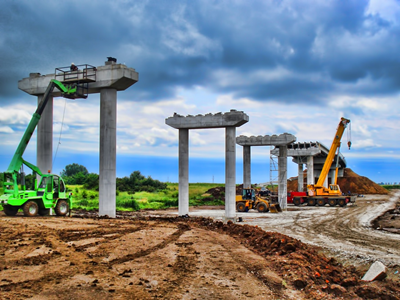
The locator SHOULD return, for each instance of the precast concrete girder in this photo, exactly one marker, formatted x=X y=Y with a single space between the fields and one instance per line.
x=280 y=141
x=229 y=120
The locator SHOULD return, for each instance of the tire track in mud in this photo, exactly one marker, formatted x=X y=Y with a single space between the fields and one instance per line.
x=79 y=261
x=347 y=230
x=170 y=239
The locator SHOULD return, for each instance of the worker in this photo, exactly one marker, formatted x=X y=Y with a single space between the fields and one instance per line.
x=73 y=67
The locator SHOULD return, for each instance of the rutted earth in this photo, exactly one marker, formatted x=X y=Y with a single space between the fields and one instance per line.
x=145 y=256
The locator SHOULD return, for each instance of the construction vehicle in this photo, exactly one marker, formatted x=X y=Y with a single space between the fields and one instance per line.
x=318 y=194
x=49 y=192
x=251 y=200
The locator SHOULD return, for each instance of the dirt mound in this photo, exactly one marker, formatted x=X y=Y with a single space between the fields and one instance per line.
x=219 y=192
x=351 y=181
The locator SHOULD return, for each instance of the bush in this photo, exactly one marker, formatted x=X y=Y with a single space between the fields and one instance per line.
x=130 y=203
x=84 y=195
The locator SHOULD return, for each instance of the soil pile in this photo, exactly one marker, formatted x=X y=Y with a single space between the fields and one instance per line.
x=219 y=192
x=351 y=181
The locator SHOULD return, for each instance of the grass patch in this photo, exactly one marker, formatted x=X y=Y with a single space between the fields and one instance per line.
x=126 y=201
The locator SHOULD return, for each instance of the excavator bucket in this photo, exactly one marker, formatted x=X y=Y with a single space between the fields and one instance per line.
x=275 y=208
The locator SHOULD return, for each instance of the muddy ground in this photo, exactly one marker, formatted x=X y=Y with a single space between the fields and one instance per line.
x=304 y=253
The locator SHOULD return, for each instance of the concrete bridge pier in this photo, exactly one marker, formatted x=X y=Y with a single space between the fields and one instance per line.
x=183 y=205
x=280 y=141
x=229 y=121
x=44 y=145
x=282 y=170
x=246 y=166
x=106 y=80
x=300 y=178
x=108 y=152
x=310 y=170
x=230 y=172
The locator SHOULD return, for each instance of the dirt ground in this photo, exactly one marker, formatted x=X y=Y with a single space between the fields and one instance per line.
x=303 y=253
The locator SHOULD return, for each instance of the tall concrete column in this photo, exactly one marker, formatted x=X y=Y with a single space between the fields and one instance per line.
x=326 y=180
x=282 y=170
x=310 y=170
x=108 y=152
x=183 y=172
x=246 y=166
x=230 y=172
x=44 y=147
x=300 y=178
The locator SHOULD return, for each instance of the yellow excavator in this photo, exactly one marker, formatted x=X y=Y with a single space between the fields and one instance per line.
x=251 y=200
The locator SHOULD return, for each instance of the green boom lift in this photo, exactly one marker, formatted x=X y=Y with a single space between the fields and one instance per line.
x=51 y=190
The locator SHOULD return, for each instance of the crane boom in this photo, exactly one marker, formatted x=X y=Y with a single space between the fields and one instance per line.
x=334 y=148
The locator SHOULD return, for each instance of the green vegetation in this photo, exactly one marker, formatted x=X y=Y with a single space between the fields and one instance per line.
x=133 y=193
x=391 y=187
x=126 y=201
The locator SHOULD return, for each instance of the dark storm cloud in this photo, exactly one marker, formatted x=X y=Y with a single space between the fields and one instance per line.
x=324 y=48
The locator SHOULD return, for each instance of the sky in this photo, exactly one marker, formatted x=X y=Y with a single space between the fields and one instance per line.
x=292 y=66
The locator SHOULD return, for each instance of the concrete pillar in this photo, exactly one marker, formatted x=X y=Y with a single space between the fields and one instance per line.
x=108 y=152
x=246 y=166
x=332 y=176
x=282 y=170
x=230 y=173
x=310 y=170
x=183 y=172
x=326 y=180
x=300 y=178
x=44 y=147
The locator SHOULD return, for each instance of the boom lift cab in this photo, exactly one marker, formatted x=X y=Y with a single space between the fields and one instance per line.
x=50 y=191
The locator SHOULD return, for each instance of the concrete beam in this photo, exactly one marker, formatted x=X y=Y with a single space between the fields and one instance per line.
x=266 y=140
x=298 y=152
x=233 y=118
x=112 y=75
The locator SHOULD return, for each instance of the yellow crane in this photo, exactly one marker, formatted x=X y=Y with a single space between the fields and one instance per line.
x=318 y=189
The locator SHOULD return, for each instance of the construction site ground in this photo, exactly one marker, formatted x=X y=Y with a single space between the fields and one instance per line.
x=302 y=253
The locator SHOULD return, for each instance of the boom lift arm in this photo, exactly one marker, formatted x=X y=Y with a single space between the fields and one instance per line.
x=17 y=160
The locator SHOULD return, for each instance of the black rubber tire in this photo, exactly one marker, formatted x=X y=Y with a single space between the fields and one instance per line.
x=321 y=202
x=262 y=208
x=30 y=208
x=241 y=207
x=332 y=202
x=62 y=208
x=342 y=202
x=311 y=202
x=10 y=210
x=297 y=201
x=44 y=211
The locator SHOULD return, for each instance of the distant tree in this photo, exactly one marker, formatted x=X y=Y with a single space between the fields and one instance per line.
x=136 y=182
x=72 y=169
x=91 y=182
